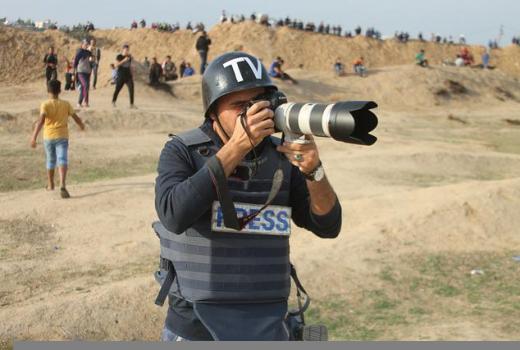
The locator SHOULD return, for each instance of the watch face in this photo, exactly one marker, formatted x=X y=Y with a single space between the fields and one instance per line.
x=320 y=174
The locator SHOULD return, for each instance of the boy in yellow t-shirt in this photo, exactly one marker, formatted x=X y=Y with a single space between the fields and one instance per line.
x=54 y=116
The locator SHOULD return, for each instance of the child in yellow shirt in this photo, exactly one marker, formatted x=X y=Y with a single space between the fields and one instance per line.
x=54 y=115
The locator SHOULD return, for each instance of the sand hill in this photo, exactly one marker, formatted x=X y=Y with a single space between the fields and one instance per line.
x=21 y=52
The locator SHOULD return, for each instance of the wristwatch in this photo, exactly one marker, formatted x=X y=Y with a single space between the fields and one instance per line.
x=317 y=174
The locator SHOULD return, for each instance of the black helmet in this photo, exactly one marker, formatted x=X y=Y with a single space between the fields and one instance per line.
x=231 y=72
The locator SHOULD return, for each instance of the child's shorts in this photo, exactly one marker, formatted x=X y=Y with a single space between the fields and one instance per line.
x=56 y=150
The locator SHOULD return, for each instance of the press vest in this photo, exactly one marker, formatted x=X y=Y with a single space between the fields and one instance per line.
x=237 y=267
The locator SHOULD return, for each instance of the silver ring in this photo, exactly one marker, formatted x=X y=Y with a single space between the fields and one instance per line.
x=298 y=157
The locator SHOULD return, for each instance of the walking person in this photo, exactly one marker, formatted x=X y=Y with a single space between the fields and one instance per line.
x=51 y=64
x=202 y=46
x=54 y=116
x=124 y=75
x=96 y=57
x=83 y=68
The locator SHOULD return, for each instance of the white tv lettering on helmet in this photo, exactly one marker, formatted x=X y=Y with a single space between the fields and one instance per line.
x=257 y=71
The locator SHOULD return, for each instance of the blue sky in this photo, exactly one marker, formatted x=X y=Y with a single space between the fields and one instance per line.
x=478 y=20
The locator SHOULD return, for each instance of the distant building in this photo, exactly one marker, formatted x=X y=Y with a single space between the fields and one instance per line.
x=47 y=24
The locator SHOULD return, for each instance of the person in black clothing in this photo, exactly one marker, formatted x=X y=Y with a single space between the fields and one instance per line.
x=69 y=76
x=155 y=73
x=182 y=68
x=202 y=46
x=185 y=195
x=124 y=75
x=51 y=64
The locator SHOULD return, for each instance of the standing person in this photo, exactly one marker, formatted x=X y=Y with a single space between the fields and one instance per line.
x=146 y=63
x=69 y=76
x=54 y=116
x=155 y=72
x=485 y=59
x=202 y=46
x=83 y=68
x=182 y=68
x=51 y=64
x=113 y=74
x=235 y=285
x=124 y=75
x=96 y=57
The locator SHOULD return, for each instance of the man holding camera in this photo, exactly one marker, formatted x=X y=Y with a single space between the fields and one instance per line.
x=227 y=272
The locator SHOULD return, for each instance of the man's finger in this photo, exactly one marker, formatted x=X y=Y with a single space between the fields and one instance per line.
x=258 y=106
x=298 y=146
x=264 y=124
x=266 y=113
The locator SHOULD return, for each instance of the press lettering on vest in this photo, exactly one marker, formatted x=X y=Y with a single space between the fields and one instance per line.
x=220 y=217
x=274 y=220
x=252 y=224
x=241 y=212
x=283 y=224
x=268 y=217
x=257 y=71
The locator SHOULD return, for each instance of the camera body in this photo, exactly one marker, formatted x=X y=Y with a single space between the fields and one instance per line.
x=348 y=121
x=274 y=97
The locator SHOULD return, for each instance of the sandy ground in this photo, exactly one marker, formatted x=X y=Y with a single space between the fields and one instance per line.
x=437 y=196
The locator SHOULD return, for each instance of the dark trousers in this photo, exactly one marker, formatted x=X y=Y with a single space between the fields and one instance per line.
x=51 y=73
x=203 y=60
x=123 y=79
x=95 y=67
x=155 y=78
x=69 y=83
x=84 y=82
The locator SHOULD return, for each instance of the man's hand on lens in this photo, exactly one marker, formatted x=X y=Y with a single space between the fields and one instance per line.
x=303 y=156
x=260 y=124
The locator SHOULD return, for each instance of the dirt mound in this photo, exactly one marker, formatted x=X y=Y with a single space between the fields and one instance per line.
x=408 y=87
x=312 y=51
x=21 y=52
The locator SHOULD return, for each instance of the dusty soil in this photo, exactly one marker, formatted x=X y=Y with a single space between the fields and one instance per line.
x=437 y=197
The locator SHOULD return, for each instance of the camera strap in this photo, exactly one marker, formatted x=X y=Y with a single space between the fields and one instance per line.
x=229 y=212
x=301 y=293
x=219 y=180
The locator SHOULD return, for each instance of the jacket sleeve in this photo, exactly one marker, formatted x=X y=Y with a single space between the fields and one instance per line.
x=182 y=193
x=325 y=226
